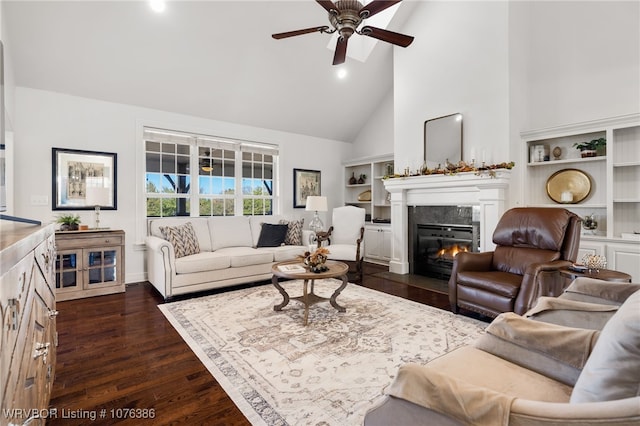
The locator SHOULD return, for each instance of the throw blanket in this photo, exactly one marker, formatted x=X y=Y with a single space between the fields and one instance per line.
x=553 y=303
x=569 y=345
x=465 y=402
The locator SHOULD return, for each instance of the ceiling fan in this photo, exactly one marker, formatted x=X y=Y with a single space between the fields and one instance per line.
x=345 y=16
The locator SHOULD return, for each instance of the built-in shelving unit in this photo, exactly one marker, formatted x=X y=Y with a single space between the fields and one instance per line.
x=378 y=205
x=615 y=176
x=377 y=247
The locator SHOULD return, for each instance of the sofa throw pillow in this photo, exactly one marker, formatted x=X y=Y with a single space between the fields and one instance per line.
x=612 y=372
x=294 y=232
x=183 y=238
x=272 y=235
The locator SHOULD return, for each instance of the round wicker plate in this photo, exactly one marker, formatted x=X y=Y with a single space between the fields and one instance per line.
x=573 y=180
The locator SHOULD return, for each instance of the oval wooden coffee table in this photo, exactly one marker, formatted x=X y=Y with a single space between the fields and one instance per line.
x=308 y=298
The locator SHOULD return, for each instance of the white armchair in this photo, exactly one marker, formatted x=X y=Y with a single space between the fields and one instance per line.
x=345 y=238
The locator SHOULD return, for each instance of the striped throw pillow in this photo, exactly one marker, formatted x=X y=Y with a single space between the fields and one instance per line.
x=183 y=238
x=294 y=232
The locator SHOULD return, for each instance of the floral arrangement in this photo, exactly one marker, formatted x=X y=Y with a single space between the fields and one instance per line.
x=316 y=260
x=453 y=168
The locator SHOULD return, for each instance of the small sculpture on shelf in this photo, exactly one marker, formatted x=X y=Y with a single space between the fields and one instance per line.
x=362 y=178
x=352 y=179
x=589 y=223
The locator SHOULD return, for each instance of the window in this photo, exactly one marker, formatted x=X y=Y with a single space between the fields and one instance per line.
x=197 y=175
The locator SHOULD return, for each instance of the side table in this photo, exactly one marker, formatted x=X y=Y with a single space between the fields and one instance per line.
x=602 y=274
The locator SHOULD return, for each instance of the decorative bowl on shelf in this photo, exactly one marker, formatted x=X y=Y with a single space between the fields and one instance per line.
x=365 y=195
x=568 y=186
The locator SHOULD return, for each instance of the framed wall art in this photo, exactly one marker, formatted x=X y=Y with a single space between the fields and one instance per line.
x=83 y=180
x=305 y=183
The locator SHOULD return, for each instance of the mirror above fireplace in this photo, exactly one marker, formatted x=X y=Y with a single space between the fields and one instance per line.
x=443 y=140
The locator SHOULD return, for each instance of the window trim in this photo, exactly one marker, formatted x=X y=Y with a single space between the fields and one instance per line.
x=196 y=141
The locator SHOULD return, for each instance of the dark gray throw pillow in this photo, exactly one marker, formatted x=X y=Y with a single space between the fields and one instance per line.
x=272 y=235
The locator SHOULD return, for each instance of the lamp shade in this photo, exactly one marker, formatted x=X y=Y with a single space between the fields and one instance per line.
x=98 y=196
x=316 y=203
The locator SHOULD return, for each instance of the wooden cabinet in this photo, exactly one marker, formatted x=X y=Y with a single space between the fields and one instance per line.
x=377 y=244
x=371 y=194
x=89 y=263
x=29 y=338
x=614 y=197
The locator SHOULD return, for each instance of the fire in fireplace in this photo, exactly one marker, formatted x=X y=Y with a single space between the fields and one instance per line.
x=437 y=246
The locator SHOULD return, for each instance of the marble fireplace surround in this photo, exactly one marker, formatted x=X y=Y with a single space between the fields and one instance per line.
x=461 y=189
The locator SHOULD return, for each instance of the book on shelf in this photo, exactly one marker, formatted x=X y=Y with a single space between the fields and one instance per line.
x=292 y=267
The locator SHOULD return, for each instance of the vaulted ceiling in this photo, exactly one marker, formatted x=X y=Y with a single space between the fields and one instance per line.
x=211 y=59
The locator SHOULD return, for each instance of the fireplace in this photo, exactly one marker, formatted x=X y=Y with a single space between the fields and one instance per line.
x=437 y=246
x=437 y=234
x=486 y=194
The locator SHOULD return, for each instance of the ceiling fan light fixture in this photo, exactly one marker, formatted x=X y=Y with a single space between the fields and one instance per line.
x=345 y=16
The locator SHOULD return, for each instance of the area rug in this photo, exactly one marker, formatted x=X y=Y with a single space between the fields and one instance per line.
x=330 y=372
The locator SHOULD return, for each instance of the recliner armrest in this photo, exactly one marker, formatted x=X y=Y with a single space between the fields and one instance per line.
x=552 y=350
x=467 y=261
x=590 y=290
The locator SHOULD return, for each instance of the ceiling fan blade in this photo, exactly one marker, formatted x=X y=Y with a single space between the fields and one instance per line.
x=388 y=36
x=341 y=51
x=374 y=7
x=328 y=5
x=300 y=32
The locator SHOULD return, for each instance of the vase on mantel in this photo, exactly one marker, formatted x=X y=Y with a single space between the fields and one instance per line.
x=353 y=180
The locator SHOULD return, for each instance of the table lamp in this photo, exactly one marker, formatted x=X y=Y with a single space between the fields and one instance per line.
x=316 y=204
x=97 y=196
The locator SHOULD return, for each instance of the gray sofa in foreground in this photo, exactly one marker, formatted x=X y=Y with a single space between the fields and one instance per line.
x=225 y=252
x=574 y=359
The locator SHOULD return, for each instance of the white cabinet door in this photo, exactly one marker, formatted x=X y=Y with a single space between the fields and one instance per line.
x=625 y=258
x=377 y=244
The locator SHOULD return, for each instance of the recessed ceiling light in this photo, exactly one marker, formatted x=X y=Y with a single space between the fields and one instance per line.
x=341 y=73
x=157 y=5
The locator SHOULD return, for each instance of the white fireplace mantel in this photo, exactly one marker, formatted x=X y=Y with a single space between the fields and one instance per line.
x=461 y=189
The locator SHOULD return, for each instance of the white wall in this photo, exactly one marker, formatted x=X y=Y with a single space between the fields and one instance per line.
x=570 y=62
x=457 y=63
x=9 y=95
x=583 y=61
x=376 y=137
x=46 y=119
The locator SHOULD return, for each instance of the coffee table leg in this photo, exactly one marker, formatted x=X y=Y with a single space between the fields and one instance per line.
x=306 y=300
x=284 y=294
x=336 y=293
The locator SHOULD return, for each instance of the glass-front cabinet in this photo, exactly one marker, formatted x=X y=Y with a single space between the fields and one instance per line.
x=89 y=263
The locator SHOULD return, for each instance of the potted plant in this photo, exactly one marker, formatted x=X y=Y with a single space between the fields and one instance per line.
x=68 y=222
x=592 y=148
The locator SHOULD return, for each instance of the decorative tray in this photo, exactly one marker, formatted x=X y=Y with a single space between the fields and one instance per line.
x=568 y=186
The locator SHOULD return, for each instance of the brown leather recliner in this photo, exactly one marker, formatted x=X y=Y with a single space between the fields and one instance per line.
x=531 y=245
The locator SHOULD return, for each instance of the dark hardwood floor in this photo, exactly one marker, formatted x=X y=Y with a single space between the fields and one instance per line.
x=118 y=352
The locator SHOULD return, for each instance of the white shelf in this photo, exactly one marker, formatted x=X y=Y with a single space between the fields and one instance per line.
x=567 y=161
x=627 y=164
x=570 y=206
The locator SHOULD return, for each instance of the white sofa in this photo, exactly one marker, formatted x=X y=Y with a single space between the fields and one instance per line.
x=228 y=254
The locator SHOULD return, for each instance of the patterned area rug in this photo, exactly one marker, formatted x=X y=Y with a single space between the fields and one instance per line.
x=329 y=373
